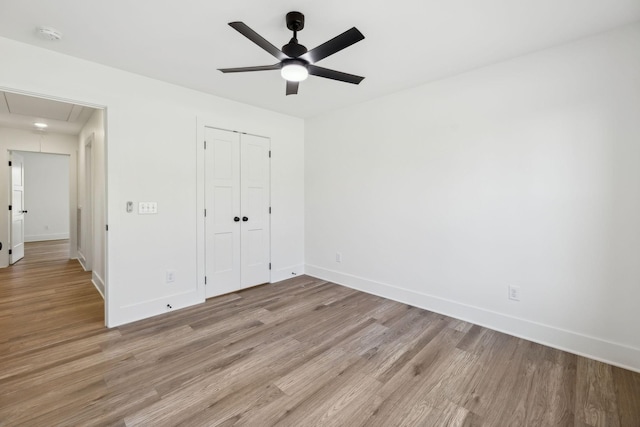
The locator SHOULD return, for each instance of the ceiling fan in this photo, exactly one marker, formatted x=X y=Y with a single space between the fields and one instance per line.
x=296 y=62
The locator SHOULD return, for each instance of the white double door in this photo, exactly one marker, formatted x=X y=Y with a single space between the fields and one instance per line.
x=237 y=225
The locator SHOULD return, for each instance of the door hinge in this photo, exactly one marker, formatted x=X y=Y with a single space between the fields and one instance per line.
x=106 y=227
x=269 y=209
x=205 y=145
x=10 y=251
x=269 y=266
x=205 y=280
x=269 y=153
x=9 y=207
x=9 y=162
x=205 y=212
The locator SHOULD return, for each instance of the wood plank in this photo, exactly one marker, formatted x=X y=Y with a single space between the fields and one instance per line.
x=596 y=403
x=300 y=352
x=627 y=389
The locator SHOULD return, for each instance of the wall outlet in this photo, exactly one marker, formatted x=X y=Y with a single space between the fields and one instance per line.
x=514 y=293
x=171 y=276
x=338 y=257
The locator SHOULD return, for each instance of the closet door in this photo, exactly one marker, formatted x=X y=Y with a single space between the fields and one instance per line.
x=222 y=203
x=237 y=223
x=254 y=196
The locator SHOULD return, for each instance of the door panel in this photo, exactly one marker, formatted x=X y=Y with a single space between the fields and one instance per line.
x=254 y=194
x=222 y=202
x=223 y=247
x=224 y=205
x=17 y=244
x=254 y=248
x=17 y=208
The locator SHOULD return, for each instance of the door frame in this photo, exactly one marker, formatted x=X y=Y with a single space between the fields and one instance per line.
x=201 y=124
x=74 y=161
x=85 y=240
x=70 y=190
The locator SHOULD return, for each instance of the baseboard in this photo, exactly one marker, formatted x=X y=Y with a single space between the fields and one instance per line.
x=45 y=237
x=134 y=312
x=82 y=260
x=286 y=273
x=146 y=309
x=98 y=283
x=584 y=345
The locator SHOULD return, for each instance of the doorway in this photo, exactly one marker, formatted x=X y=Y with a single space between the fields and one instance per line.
x=40 y=200
x=69 y=126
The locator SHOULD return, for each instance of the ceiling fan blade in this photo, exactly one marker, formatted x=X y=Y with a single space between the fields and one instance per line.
x=334 y=45
x=334 y=75
x=292 y=87
x=258 y=68
x=243 y=29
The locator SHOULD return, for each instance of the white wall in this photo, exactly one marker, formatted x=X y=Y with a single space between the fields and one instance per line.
x=38 y=142
x=522 y=173
x=46 y=197
x=151 y=146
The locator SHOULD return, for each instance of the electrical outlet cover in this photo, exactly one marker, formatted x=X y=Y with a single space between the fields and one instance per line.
x=171 y=276
x=514 y=293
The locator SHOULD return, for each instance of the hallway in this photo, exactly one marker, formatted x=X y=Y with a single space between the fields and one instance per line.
x=46 y=300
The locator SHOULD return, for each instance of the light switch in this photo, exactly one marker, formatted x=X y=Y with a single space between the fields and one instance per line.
x=147 y=208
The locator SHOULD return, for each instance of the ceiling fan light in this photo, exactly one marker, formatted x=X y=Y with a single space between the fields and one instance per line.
x=294 y=72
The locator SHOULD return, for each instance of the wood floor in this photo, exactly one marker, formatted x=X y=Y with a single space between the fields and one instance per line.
x=299 y=353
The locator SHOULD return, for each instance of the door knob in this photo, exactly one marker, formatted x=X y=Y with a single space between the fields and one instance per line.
x=236 y=219
x=245 y=219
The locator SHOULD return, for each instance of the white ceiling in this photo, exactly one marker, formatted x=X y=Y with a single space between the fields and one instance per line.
x=22 y=111
x=408 y=42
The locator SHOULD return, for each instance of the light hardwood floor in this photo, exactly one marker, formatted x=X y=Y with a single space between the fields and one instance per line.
x=301 y=352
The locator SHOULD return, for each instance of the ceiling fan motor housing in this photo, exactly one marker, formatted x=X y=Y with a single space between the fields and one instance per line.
x=293 y=49
x=295 y=21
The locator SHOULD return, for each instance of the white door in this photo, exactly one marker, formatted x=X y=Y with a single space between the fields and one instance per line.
x=17 y=208
x=222 y=204
x=237 y=222
x=254 y=206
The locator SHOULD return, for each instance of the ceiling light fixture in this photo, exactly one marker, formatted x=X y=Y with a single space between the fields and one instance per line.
x=295 y=62
x=294 y=70
x=49 y=33
x=40 y=125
